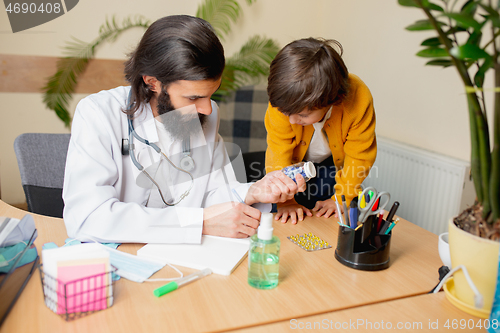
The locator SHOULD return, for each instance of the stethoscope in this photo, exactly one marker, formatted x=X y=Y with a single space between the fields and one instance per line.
x=187 y=162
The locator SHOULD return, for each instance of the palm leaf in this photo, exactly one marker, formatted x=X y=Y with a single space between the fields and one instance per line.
x=60 y=87
x=220 y=13
x=249 y=65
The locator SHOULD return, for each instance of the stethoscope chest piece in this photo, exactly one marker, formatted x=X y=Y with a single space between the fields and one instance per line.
x=187 y=163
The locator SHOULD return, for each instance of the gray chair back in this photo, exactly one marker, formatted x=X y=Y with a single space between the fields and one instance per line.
x=41 y=158
x=242 y=118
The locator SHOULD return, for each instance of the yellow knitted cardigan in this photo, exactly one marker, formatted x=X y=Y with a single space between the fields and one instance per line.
x=351 y=135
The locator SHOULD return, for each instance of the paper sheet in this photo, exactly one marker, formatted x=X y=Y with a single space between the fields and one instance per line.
x=221 y=254
x=81 y=288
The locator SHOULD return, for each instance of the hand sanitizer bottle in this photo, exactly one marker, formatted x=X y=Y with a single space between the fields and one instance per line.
x=264 y=255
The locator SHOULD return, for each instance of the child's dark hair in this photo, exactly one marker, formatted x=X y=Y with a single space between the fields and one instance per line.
x=307 y=73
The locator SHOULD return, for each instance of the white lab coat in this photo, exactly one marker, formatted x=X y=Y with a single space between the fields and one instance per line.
x=102 y=199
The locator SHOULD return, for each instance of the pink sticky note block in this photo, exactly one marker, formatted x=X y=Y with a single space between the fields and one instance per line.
x=86 y=288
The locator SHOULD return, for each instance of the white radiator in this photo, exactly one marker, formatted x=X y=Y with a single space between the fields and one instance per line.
x=431 y=188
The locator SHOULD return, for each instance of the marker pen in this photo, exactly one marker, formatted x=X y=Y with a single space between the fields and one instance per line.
x=174 y=285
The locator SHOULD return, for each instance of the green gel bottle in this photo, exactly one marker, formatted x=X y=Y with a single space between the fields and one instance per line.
x=264 y=255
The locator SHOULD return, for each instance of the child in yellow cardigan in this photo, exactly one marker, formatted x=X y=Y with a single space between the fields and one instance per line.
x=319 y=112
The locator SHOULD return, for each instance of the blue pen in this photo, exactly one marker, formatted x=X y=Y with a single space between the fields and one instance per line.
x=237 y=196
x=353 y=214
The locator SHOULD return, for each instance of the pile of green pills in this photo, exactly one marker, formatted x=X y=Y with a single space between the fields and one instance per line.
x=309 y=242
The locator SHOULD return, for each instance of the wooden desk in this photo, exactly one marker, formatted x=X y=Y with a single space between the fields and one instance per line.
x=423 y=313
x=311 y=283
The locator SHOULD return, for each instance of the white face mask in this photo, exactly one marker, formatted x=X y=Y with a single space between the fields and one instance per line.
x=129 y=266
x=132 y=267
x=13 y=231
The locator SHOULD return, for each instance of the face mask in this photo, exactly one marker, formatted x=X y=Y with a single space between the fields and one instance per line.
x=128 y=266
x=13 y=231
x=133 y=267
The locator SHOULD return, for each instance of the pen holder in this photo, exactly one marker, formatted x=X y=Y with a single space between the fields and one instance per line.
x=358 y=251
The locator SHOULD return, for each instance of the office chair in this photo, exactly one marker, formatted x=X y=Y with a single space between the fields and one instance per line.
x=41 y=158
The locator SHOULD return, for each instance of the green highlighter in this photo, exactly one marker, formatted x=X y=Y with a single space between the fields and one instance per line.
x=174 y=285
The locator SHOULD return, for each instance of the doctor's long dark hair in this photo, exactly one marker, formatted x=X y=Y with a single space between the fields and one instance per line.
x=173 y=48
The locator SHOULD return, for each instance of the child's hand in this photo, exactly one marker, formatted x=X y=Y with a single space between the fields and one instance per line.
x=325 y=208
x=293 y=211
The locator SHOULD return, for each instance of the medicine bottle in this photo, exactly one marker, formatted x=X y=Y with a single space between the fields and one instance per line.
x=264 y=255
x=306 y=169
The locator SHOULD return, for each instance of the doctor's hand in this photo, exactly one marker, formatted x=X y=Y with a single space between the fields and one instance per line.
x=275 y=187
x=230 y=219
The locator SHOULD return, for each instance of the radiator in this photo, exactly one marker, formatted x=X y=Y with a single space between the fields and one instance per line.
x=430 y=188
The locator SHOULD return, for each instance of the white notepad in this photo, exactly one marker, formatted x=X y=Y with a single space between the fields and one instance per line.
x=221 y=254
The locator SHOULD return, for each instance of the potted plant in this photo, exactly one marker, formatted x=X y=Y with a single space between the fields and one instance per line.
x=245 y=67
x=467 y=38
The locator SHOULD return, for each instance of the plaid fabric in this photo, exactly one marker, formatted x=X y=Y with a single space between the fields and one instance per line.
x=242 y=118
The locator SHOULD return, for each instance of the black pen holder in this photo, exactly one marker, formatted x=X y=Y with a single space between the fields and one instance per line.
x=367 y=251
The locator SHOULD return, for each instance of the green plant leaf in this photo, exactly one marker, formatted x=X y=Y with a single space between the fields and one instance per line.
x=493 y=15
x=219 y=13
x=422 y=25
x=481 y=72
x=490 y=10
x=454 y=30
x=434 y=41
x=440 y=62
x=249 y=65
x=469 y=8
x=408 y=3
x=420 y=4
x=475 y=38
x=433 y=6
x=495 y=22
x=464 y=20
x=469 y=51
x=433 y=52
x=60 y=87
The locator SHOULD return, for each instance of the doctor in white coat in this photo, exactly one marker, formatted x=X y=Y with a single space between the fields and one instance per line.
x=177 y=66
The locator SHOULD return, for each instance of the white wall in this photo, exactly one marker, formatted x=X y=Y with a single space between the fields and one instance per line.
x=422 y=106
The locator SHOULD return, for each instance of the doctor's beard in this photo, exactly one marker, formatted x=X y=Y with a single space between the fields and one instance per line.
x=179 y=126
